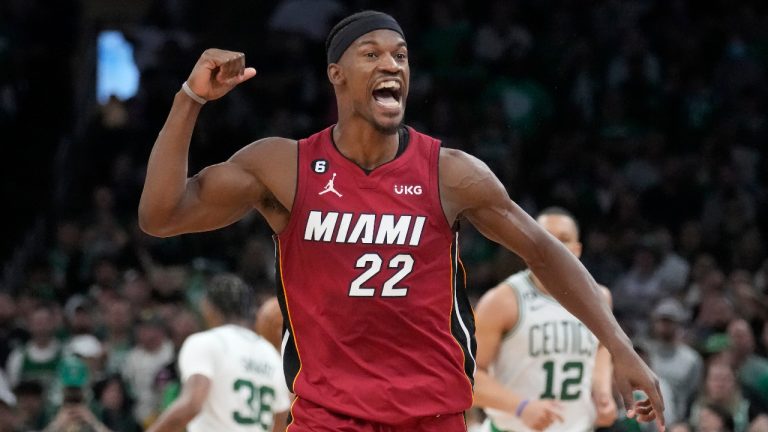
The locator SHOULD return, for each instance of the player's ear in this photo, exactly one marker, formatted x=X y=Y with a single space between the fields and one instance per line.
x=577 y=249
x=335 y=74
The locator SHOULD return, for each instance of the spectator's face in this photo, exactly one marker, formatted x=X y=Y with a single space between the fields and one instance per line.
x=702 y=266
x=710 y=422
x=715 y=311
x=120 y=316
x=665 y=329
x=150 y=336
x=112 y=396
x=106 y=274
x=81 y=321
x=720 y=383
x=137 y=292
x=41 y=324
x=740 y=335
x=183 y=325
x=564 y=229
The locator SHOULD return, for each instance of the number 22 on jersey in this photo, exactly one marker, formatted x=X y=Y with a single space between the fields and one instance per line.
x=372 y=262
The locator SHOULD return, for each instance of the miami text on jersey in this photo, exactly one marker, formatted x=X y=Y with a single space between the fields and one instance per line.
x=366 y=228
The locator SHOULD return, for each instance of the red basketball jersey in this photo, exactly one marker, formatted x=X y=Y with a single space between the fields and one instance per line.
x=377 y=321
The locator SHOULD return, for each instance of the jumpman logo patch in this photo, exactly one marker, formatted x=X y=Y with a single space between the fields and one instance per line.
x=329 y=187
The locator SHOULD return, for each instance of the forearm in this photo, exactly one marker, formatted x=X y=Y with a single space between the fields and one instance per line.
x=571 y=285
x=166 y=180
x=280 y=422
x=175 y=418
x=490 y=394
x=603 y=374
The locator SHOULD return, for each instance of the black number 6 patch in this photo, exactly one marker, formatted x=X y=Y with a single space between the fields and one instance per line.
x=320 y=166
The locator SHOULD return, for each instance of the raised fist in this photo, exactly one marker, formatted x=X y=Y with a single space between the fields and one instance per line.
x=217 y=72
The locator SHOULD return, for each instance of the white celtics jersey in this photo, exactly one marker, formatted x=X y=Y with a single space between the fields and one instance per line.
x=247 y=384
x=549 y=354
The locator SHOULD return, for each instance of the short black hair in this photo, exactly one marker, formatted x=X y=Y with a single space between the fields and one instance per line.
x=559 y=211
x=230 y=295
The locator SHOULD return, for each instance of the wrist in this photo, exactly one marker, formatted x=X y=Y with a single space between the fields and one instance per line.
x=192 y=95
x=619 y=344
x=520 y=407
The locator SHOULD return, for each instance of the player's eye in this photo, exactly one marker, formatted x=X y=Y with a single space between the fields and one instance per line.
x=370 y=55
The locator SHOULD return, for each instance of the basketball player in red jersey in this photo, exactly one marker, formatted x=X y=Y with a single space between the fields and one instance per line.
x=379 y=334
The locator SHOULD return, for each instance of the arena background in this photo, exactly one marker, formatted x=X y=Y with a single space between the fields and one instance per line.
x=646 y=119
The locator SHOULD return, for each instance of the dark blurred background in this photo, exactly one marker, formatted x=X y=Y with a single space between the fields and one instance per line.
x=645 y=118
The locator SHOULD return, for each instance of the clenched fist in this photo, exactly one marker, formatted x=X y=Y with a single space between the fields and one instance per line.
x=217 y=72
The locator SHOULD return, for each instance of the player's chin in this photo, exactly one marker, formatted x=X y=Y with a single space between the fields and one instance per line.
x=388 y=124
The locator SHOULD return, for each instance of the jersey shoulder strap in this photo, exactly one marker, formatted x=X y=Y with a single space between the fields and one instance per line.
x=520 y=285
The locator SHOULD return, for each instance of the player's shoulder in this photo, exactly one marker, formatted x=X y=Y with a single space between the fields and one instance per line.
x=465 y=179
x=270 y=147
x=501 y=301
x=452 y=159
x=200 y=343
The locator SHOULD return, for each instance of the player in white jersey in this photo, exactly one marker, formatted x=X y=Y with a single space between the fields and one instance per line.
x=539 y=368
x=232 y=378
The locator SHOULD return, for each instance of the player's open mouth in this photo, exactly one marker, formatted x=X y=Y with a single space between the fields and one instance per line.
x=388 y=94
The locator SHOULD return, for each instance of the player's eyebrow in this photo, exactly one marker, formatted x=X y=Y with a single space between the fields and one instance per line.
x=360 y=43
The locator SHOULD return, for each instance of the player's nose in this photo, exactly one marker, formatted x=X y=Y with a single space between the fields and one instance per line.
x=388 y=63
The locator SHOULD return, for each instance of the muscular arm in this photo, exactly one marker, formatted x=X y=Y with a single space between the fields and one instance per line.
x=496 y=314
x=171 y=202
x=186 y=407
x=470 y=189
x=218 y=196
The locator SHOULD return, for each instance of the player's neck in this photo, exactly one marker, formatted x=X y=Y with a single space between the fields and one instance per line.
x=358 y=141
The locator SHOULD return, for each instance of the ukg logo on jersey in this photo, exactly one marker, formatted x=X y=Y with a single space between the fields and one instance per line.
x=408 y=190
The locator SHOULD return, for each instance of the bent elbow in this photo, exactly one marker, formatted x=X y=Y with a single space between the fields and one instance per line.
x=152 y=225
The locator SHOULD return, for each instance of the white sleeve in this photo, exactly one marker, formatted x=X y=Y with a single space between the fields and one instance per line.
x=282 y=395
x=196 y=357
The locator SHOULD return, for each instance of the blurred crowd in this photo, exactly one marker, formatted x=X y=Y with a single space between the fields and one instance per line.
x=645 y=118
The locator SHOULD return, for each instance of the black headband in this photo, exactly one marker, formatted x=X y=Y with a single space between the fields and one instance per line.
x=343 y=38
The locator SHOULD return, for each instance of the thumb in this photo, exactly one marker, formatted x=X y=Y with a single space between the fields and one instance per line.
x=626 y=396
x=247 y=74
